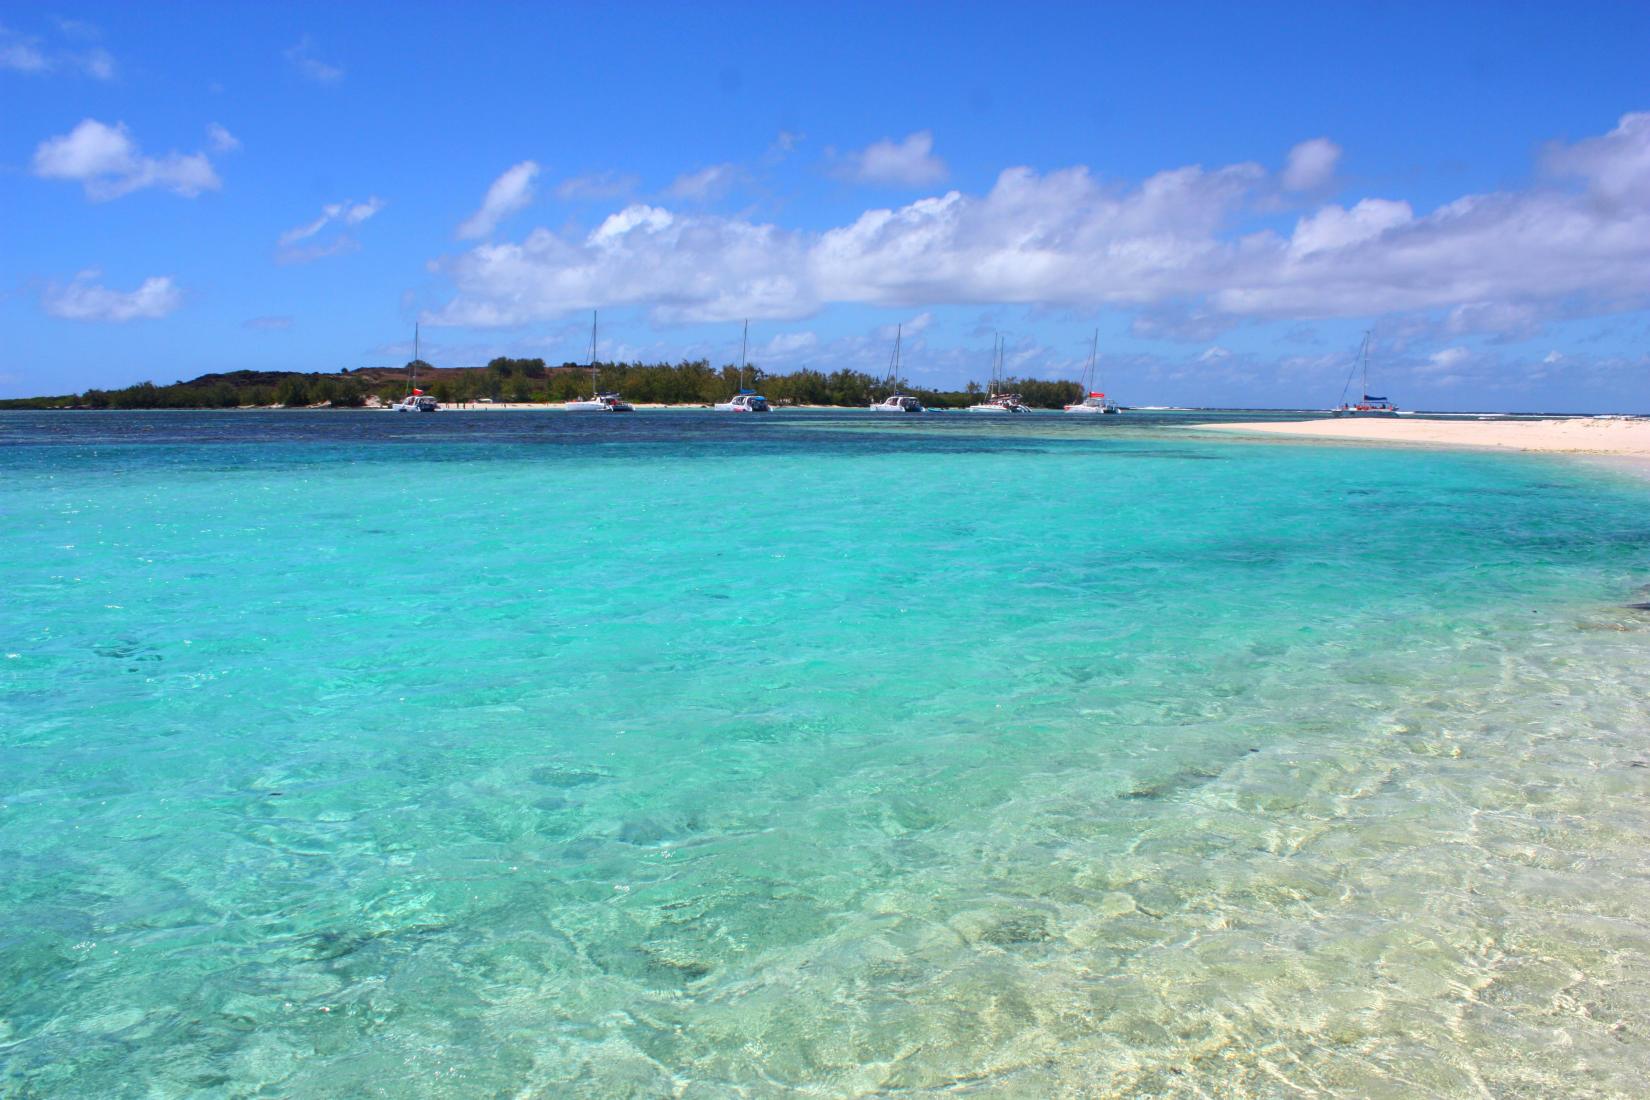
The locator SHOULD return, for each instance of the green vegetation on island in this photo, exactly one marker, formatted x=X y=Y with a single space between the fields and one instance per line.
x=530 y=381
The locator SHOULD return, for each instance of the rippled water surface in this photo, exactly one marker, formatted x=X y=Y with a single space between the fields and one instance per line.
x=685 y=755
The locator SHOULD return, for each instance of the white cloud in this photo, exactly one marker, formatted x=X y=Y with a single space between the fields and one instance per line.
x=1311 y=165
x=1500 y=318
x=597 y=186
x=339 y=216
x=1615 y=166
x=22 y=57
x=302 y=57
x=511 y=192
x=25 y=54
x=1449 y=358
x=909 y=163
x=783 y=146
x=222 y=140
x=788 y=346
x=705 y=184
x=108 y=164
x=1554 y=357
x=1214 y=355
x=1178 y=241
x=97 y=64
x=1334 y=227
x=83 y=300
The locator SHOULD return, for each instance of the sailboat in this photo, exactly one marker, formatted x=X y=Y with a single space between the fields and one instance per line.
x=745 y=401
x=1370 y=405
x=1095 y=404
x=996 y=401
x=598 y=401
x=416 y=400
x=896 y=402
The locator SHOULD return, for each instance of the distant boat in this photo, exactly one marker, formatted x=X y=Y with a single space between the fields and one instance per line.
x=745 y=401
x=896 y=402
x=1371 y=405
x=416 y=400
x=1095 y=404
x=598 y=401
x=997 y=401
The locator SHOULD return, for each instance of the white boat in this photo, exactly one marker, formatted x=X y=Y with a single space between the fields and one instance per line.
x=598 y=401
x=896 y=402
x=745 y=401
x=601 y=402
x=416 y=401
x=1095 y=404
x=998 y=401
x=1370 y=405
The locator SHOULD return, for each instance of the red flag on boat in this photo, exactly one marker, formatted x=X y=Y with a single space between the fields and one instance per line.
x=418 y=393
x=1092 y=394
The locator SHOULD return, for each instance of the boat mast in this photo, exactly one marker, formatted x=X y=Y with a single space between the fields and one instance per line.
x=1094 y=363
x=893 y=373
x=413 y=383
x=592 y=355
x=744 y=341
x=1363 y=394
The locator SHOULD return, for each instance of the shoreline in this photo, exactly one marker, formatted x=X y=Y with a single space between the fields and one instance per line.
x=1621 y=438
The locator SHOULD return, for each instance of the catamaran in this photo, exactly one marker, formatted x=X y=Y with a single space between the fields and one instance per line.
x=998 y=401
x=416 y=400
x=1370 y=405
x=598 y=401
x=1095 y=404
x=896 y=402
x=745 y=401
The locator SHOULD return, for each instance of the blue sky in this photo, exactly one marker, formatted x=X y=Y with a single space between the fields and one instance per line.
x=1230 y=194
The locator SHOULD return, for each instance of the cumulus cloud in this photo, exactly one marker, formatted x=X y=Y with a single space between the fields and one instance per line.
x=1311 y=165
x=1180 y=241
x=108 y=163
x=1334 y=227
x=908 y=163
x=335 y=221
x=303 y=58
x=1615 y=166
x=81 y=299
x=705 y=184
x=511 y=192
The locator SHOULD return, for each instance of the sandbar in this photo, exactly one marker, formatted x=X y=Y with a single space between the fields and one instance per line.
x=1624 y=436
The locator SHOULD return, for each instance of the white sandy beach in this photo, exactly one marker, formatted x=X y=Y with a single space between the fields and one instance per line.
x=1629 y=438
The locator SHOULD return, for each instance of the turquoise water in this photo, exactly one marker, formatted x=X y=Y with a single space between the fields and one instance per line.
x=680 y=755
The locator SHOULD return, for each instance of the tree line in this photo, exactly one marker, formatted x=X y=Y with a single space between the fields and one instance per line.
x=689 y=382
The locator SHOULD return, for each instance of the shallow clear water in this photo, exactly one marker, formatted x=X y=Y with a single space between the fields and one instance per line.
x=815 y=755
